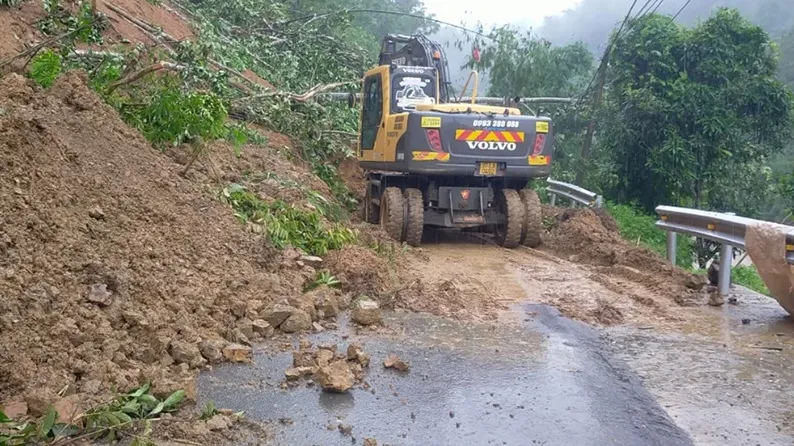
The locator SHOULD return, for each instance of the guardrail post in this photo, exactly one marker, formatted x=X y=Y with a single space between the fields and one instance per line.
x=573 y=204
x=553 y=198
x=599 y=202
x=671 y=246
x=726 y=263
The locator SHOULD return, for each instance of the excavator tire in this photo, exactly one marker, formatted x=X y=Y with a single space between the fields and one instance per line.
x=371 y=214
x=508 y=234
x=392 y=212
x=533 y=218
x=416 y=217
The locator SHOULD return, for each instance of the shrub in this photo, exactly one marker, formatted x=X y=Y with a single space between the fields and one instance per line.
x=45 y=68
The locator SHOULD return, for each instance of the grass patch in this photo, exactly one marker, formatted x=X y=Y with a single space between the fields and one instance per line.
x=747 y=276
x=636 y=226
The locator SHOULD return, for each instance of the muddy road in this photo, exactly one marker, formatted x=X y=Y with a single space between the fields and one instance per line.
x=502 y=364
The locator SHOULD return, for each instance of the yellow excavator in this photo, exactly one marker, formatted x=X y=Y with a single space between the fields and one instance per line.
x=433 y=160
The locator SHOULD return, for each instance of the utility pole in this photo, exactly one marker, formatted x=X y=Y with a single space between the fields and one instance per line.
x=581 y=173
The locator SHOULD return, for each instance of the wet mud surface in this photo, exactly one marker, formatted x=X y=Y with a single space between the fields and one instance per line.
x=527 y=374
x=546 y=382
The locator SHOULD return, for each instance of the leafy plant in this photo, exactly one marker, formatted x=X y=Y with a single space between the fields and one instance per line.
x=287 y=225
x=748 y=276
x=175 y=117
x=323 y=278
x=45 y=68
x=10 y=2
x=209 y=410
x=640 y=228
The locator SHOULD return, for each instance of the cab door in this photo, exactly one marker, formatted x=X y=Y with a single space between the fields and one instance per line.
x=371 y=112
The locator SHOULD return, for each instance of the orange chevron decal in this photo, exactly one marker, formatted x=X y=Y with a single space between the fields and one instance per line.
x=488 y=135
x=430 y=156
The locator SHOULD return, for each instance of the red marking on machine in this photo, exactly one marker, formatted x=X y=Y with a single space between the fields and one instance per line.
x=539 y=140
x=464 y=194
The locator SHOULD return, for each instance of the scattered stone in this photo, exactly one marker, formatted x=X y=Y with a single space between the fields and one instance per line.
x=212 y=350
x=745 y=321
x=96 y=213
x=305 y=344
x=716 y=300
x=303 y=358
x=345 y=429
x=239 y=337
x=135 y=318
x=325 y=300
x=366 y=312
x=313 y=261
x=317 y=327
x=277 y=314
x=68 y=409
x=239 y=308
x=696 y=282
x=324 y=357
x=296 y=373
x=237 y=353
x=15 y=409
x=733 y=301
x=394 y=362
x=304 y=303
x=219 y=422
x=370 y=442
x=262 y=328
x=298 y=321
x=38 y=400
x=246 y=327
x=286 y=421
x=356 y=353
x=451 y=414
x=336 y=377
x=714 y=273
x=100 y=295
x=187 y=353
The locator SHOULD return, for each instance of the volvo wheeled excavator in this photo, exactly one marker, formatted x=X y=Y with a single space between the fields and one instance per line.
x=432 y=160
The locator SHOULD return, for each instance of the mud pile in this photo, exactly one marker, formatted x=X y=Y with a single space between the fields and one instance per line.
x=114 y=270
x=591 y=237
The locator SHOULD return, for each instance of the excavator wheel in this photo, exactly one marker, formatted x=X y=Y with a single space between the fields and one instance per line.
x=533 y=218
x=392 y=212
x=508 y=234
x=371 y=214
x=416 y=216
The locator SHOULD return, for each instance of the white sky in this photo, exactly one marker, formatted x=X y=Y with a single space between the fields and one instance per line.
x=525 y=12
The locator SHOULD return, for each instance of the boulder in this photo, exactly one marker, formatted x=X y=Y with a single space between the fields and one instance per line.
x=99 y=294
x=366 y=312
x=277 y=314
x=336 y=377
x=237 y=353
x=212 y=350
x=262 y=328
x=187 y=353
x=297 y=322
x=394 y=362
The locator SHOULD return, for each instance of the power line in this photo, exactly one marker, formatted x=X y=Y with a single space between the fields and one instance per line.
x=681 y=10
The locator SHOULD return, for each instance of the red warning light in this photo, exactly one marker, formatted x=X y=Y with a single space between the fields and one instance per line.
x=464 y=194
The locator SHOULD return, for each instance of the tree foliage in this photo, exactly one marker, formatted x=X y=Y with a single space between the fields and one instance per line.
x=522 y=64
x=692 y=115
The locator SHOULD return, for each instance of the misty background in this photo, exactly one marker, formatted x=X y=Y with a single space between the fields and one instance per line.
x=592 y=21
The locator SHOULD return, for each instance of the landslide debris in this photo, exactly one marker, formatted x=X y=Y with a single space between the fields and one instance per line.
x=114 y=269
x=591 y=237
x=334 y=370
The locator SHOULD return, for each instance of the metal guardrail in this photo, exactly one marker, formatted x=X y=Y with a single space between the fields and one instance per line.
x=575 y=194
x=725 y=228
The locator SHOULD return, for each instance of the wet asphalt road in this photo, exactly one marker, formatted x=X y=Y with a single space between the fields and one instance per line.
x=545 y=380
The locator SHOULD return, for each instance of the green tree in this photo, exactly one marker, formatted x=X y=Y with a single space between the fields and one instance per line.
x=521 y=64
x=692 y=115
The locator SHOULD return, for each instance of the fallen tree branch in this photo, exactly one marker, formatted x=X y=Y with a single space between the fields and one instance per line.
x=162 y=65
x=304 y=97
x=32 y=51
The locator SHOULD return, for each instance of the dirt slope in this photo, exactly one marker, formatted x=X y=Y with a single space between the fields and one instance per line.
x=87 y=203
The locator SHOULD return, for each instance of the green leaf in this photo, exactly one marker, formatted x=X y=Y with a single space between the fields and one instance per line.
x=123 y=417
x=157 y=409
x=48 y=422
x=4 y=418
x=140 y=391
x=174 y=399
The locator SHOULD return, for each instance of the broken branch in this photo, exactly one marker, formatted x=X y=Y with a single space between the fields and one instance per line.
x=304 y=97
